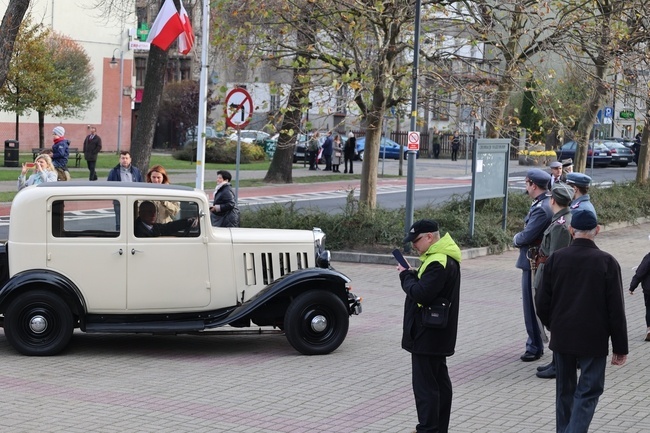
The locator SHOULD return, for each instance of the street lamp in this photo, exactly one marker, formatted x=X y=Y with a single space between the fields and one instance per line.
x=112 y=64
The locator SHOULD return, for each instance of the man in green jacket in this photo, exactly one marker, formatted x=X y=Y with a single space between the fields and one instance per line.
x=438 y=277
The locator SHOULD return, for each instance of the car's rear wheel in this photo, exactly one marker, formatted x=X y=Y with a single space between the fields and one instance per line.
x=38 y=323
x=316 y=322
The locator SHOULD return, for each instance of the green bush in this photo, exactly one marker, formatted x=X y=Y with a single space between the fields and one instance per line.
x=357 y=228
x=223 y=151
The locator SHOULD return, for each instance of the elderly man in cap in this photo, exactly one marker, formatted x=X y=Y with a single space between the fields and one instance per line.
x=581 y=200
x=528 y=240
x=567 y=167
x=581 y=302
x=437 y=278
x=556 y=172
x=556 y=236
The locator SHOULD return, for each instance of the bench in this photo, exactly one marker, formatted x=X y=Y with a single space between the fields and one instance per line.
x=72 y=151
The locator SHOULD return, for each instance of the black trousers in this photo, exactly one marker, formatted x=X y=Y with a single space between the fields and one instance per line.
x=346 y=164
x=433 y=393
x=91 y=168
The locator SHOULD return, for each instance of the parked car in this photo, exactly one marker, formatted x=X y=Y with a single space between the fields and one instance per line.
x=621 y=154
x=250 y=136
x=191 y=137
x=387 y=148
x=625 y=141
x=79 y=256
x=301 y=145
x=601 y=155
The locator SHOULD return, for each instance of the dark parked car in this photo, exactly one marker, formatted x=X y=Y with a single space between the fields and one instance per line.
x=621 y=154
x=601 y=155
x=390 y=147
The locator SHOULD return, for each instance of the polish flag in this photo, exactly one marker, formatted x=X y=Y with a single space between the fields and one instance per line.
x=186 y=39
x=166 y=27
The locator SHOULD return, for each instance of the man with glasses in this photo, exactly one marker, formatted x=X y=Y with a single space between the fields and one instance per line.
x=528 y=240
x=437 y=278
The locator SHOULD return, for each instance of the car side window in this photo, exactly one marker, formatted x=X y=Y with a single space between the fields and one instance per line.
x=185 y=222
x=85 y=218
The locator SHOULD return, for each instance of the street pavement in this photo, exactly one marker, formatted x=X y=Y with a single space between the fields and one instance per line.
x=258 y=383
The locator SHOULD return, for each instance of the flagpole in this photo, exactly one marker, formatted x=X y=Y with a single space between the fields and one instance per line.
x=203 y=98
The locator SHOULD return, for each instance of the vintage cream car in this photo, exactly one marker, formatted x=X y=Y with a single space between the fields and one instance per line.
x=78 y=257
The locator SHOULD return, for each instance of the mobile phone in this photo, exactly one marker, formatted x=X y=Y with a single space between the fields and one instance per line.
x=400 y=258
x=29 y=165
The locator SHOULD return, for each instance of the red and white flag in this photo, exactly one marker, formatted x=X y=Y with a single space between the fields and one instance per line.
x=186 y=39
x=166 y=27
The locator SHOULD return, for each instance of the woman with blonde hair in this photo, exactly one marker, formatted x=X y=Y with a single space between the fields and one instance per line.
x=165 y=210
x=44 y=171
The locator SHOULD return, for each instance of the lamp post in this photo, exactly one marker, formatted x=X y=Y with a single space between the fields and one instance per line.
x=112 y=64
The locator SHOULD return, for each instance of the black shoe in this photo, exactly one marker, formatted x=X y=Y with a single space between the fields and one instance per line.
x=345 y=172
x=545 y=367
x=530 y=356
x=549 y=373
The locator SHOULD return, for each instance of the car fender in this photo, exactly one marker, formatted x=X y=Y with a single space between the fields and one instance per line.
x=42 y=278
x=290 y=285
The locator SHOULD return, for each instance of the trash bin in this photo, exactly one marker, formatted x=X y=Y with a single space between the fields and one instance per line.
x=12 y=156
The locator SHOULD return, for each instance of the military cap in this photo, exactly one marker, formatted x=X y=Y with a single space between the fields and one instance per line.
x=578 y=179
x=538 y=177
x=561 y=193
x=567 y=162
x=419 y=227
x=583 y=219
x=555 y=164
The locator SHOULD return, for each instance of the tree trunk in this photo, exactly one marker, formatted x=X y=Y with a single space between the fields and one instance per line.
x=643 y=165
x=14 y=14
x=281 y=168
x=41 y=127
x=495 y=117
x=146 y=126
x=586 y=123
x=368 y=190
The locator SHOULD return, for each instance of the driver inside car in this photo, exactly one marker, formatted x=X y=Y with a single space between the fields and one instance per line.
x=147 y=227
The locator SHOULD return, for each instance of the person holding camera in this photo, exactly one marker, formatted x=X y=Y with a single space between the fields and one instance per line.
x=44 y=171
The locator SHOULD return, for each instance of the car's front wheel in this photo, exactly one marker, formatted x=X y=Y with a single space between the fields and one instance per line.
x=316 y=322
x=38 y=323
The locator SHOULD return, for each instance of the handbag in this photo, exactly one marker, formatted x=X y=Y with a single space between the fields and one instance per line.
x=437 y=314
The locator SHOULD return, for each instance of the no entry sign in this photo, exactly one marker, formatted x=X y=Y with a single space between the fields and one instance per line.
x=239 y=108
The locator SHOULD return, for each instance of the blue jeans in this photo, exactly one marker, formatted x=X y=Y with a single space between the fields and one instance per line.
x=534 y=344
x=576 y=399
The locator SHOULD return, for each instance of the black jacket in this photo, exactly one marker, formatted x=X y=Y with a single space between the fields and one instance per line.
x=92 y=147
x=642 y=275
x=436 y=281
x=581 y=301
x=228 y=216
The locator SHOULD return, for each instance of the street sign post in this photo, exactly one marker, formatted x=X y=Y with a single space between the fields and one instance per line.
x=239 y=110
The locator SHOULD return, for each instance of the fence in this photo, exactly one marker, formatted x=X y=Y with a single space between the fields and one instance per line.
x=426 y=145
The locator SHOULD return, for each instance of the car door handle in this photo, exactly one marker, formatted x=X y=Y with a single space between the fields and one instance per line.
x=133 y=251
x=120 y=251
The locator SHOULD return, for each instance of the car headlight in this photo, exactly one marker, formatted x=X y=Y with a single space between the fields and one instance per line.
x=323 y=256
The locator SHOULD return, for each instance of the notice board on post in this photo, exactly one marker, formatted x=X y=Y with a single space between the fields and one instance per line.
x=490 y=174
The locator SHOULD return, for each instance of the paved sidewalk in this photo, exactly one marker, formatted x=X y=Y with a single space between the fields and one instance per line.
x=258 y=383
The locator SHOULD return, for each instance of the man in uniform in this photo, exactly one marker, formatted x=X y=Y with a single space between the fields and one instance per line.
x=437 y=277
x=538 y=218
x=556 y=172
x=581 y=302
x=556 y=236
x=567 y=167
x=580 y=183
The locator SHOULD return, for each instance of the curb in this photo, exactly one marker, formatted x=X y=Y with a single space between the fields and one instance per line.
x=466 y=254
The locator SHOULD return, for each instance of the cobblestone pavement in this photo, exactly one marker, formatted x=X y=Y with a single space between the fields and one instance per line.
x=258 y=383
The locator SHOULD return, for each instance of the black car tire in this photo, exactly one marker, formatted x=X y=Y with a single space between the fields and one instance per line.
x=316 y=322
x=38 y=323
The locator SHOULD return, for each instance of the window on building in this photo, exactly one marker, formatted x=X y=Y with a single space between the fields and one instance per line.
x=341 y=100
x=140 y=70
x=186 y=69
x=274 y=103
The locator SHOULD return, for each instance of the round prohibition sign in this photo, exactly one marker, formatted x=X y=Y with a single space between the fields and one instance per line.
x=413 y=140
x=239 y=108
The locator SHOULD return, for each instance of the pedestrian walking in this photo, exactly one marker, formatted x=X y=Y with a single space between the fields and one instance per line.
x=581 y=302
x=435 y=141
x=91 y=149
x=455 y=146
x=556 y=172
x=642 y=276
x=349 y=152
x=528 y=240
x=581 y=200
x=338 y=154
x=124 y=171
x=435 y=282
x=328 y=148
